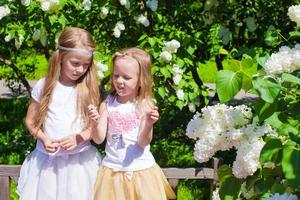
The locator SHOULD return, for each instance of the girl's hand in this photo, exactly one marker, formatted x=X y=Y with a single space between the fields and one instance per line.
x=152 y=116
x=93 y=113
x=70 y=142
x=51 y=146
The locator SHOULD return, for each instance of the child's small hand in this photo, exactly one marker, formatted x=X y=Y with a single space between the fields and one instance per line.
x=152 y=116
x=93 y=113
x=70 y=142
x=51 y=146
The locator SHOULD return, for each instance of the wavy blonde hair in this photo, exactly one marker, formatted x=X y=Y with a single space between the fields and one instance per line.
x=87 y=85
x=144 y=60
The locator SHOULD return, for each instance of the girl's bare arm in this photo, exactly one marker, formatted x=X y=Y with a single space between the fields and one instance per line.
x=99 y=122
x=146 y=127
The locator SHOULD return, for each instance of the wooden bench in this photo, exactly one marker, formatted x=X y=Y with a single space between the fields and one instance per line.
x=11 y=172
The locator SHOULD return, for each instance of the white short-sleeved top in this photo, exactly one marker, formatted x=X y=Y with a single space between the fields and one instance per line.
x=122 y=151
x=62 y=118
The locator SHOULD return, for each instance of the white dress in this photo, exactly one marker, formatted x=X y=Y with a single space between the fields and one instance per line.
x=64 y=174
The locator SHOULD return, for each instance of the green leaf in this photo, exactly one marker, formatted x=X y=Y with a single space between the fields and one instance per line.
x=223 y=172
x=225 y=35
x=264 y=109
x=230 y=188
x=223 y=51
x=267 y=88
x=291 y=165
x=180 y=104
x=162 y=92
x=269 y=152
x=290 y=78
x=52 y=19
x=165 y=72
x=228 y=84
x=294 y=34
x=272 y=37
x=250 y=24
x=232 y=64
x=249 y=68
x=207 y=71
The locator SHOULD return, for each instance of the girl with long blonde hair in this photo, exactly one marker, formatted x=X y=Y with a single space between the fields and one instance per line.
x=126 y=119
x=64 y=163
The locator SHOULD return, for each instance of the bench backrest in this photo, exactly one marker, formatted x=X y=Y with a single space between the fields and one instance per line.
x=11 y=172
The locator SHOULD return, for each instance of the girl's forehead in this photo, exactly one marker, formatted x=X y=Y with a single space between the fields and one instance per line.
x=126 y=64
x=77 y=56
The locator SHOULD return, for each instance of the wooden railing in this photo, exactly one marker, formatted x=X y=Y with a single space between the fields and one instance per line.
x=11 y=172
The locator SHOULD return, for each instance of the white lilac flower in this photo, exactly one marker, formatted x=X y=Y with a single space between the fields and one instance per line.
x=285 y=60
x=7 y=38
x=120 y=26
x=294 y=14
x=284 y=196
x=4 y=11
x=176 y=79
x=221 y=127
x=176 y=69
x=45 y=5
x=247 y=158
x=116 y=32
x=143 y=20
x=152 y=4
x=36 y=34
x=18 y=44
x=123 y=2
x=192 y=107
x=180 y=94
x=100 y=74
x=165 y=57
x=26 y=2
x=48 y=4
x=101 y=67
x=104 y=11
x=87 y=4
x=171 y=46
x=215 y=195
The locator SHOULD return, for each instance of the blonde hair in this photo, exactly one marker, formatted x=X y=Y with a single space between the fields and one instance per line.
x=144 y=60
x=87 y=85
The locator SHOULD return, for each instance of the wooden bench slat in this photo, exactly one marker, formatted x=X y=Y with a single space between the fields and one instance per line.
x=10 y=170
x=189 y=173
x=4 y=188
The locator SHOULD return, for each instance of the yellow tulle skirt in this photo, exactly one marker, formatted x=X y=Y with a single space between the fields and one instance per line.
x=146 y=184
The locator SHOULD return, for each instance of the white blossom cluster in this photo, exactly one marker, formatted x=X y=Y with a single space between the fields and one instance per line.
x=285 y=60
x=19 y=41
x=119 y=27
x=169 y=48
x=48 y=4
x=152 y=4
x=284 y=196
x=26 y=2
x=86 y=4
x=177 y=74
x=143 y=20
x=125 y=3
x=215 y=194
x=294 y=14
x=4 y=11
x=104 y=11
x=221 y=127
x=101 y=68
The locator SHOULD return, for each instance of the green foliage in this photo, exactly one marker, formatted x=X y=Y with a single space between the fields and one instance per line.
x=15 y=142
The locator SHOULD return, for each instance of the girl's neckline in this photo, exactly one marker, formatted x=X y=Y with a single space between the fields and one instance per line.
x=66 y=85
x=127 y=102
